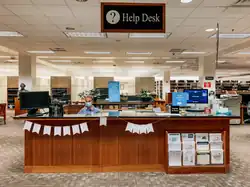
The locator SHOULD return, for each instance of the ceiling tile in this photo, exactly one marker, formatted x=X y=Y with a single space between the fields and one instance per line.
x=15 y=2
x=179 y=12
x=5 y=12
x=36 y=19
x=55 y=10
x=206 y=12
x=200 y=22
x=235 y=12
x=63 y=21
x=24 y=10
x=48 y=2
x=178 y=4
x=88 y=3
x=11 y=20
x=216 y=3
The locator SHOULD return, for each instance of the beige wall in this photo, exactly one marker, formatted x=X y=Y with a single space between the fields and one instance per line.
x=102 y=82
x=127 y=85
x=147 y=83
x=79 y=85
x=3 y=89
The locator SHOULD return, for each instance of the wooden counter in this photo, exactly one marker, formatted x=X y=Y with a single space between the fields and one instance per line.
x=111 y=149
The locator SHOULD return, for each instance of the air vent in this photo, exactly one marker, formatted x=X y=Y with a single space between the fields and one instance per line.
x=58 y=49
x=176 y=50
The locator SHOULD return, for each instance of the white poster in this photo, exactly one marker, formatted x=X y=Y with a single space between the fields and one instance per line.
x=215 y=137
x=203 y=158
x=174 y=146
x=216 y=145
x=202 y=147
x=217 y=157
x=187 y=137
x=202 y=137
x=188 y=145
x=174 y=158
x=174 y=137
x=189 y=158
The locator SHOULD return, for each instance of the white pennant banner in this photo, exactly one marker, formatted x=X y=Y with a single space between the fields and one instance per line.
x=57 y=131
x=75 y=129
x=27 y=125
x=36 y=128
x=66 y=130
x=84 y=127
x=139 y=129
x=103 y=121
x=47 y=130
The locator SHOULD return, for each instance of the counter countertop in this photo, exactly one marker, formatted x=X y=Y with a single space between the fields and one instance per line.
x=124 y=114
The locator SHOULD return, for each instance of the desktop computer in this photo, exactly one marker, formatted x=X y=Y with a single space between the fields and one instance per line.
x=197 y=96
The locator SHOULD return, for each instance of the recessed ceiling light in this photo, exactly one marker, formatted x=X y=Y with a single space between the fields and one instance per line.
x=210 y=30
x=10 y=34
x=103 y=61
x=5 y=56
x=134 y=62
x=243 y=53
x=85 y=35
x=41 y=52
x=192 y=53
x=175 y=61
x=97 y=52
x=12 y=60
x=232 y=36
x=60 y=61
x=186 y=1
x=149 y=35
x=139 y=53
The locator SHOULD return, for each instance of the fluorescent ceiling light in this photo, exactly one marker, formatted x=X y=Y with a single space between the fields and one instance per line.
x=232 y=36
x=221 y=61
x=5 y=56
x=103 y=61
x=210 y=30
x=192 y=52
x=149 y=35
x=186 y=1
x=60 y=61
x=175 y=61
x=134 y=62
x=12 y=60
x=41 y=52
x=85 y=35
x=97 y=53
x=10 y=34
x=139 y=53
x=243 y=53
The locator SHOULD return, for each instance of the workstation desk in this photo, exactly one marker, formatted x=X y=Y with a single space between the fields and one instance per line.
x=112 y=149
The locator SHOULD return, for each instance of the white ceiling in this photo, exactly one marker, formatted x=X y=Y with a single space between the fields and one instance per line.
x=42 y=22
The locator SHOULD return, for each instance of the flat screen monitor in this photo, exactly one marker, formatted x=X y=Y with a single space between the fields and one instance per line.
x=34 y=100
x=197 y=96
x=179 y=99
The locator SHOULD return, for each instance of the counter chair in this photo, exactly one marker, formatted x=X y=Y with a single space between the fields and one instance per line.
x=3 y=112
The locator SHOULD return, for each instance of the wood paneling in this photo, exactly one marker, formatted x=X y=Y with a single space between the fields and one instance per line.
x=60 y=82
x=146 y=83
x=12 y=82
x=110 y=148
x=102 y=82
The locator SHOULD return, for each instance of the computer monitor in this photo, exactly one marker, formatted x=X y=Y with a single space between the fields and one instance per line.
x=179 y=99
x=197 y=96
x=34 y=100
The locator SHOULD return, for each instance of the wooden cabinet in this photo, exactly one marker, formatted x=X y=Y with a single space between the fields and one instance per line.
x=60 y=86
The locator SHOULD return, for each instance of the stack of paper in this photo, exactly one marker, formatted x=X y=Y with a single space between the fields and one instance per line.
x=188 y=145
x=174 y=149
x=216 y=146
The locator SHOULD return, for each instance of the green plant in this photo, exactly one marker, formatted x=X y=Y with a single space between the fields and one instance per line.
x=93 y=93
x=145 y=93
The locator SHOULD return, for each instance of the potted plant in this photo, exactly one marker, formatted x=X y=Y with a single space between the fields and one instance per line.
x=124 y=97
x=145 y=95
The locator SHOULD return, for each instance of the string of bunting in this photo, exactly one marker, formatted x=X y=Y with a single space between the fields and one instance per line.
x=83 y=127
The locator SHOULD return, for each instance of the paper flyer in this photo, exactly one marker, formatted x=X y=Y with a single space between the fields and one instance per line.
x=174 y=146
x=188 y=145
x=174 y=158
x=202 y=147
x=215 y=137
x=187 y=137
x=217 y=157
x=174 y=137
x=202 y=137
x=203 y=158
x=189 y=158
x=216 y=145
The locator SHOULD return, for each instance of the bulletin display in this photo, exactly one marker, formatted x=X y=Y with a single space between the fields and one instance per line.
x=195 y=152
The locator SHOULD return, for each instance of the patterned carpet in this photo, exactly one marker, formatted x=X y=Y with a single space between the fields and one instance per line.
x=11 y=168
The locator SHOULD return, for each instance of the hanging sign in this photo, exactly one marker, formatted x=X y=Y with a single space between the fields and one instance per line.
x=209 y=78
x=133 y=17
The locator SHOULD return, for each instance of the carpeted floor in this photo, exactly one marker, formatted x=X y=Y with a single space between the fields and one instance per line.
x=11 y=167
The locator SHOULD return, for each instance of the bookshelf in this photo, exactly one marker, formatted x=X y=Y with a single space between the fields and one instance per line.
x=183 y=84
x=159 y=89
x=12 y=91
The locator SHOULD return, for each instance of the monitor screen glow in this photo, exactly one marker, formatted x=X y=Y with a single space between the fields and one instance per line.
x=197 y=96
